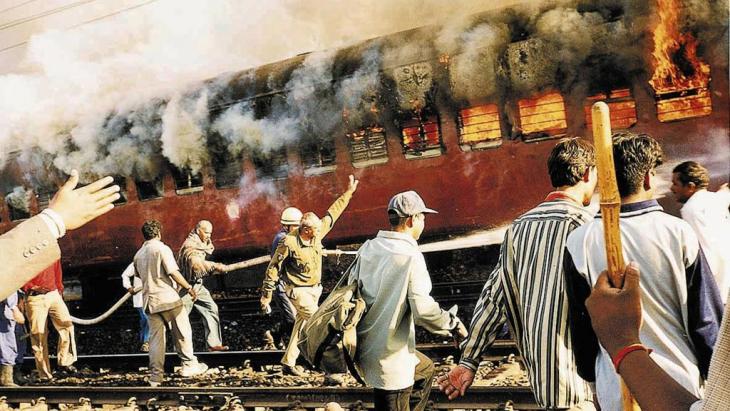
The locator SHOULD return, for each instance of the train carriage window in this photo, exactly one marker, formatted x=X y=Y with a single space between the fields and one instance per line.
x=422 y=137
x=622 y=108
x=18 y=202
x=318 y=155
x=271 y=165
x=43 y=197
x=543 y=116
x=148 y=190
x=185 y=181
x=368 y=147
x=122 y=183
x=479 y=127
x=228 y=170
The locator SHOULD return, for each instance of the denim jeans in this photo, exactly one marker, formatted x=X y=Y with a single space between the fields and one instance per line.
x=413 y=398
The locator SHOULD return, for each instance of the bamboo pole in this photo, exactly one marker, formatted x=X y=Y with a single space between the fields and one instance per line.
x=610 y=208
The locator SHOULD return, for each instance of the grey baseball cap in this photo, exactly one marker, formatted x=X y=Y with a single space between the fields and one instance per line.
x=408 y=203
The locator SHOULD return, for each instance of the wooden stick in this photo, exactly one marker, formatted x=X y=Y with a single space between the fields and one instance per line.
x=610 y=208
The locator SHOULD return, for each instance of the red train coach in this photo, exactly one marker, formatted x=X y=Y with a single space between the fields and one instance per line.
x=469 y=129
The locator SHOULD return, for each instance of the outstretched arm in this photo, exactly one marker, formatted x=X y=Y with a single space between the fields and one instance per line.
x=338 y=207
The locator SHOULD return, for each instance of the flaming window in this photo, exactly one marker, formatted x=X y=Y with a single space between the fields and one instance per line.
x=621 y=106
x=318 y=155
x=543 y=116
x=680 y=78
x=479 y=127
x=368 y=147
x=271 y=165
x=148 y=190
x=186 y=182
x=422 y=137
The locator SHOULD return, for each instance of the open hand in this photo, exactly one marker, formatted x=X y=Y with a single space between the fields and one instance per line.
x=456 y=381
x=352 y=185
x=78 y=206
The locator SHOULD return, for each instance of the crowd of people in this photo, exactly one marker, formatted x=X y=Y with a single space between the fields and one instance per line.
x=577 y=332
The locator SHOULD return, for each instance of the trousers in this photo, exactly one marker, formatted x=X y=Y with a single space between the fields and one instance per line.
x=208 y=310
x=182 y=335
x=39 y=309
x=414 y=397
x=306 y=301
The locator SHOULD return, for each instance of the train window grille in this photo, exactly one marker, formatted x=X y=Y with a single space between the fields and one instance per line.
x=368 y=147
x=271 y=165
x=543 y=116
x=318 y=156
x=122 y=183
x=421 y=138
x=622 y=108
x=149 y=190
x=18 y=202
x=186 y=182
x=43 y=197
x=479 y=127
x=228 y=172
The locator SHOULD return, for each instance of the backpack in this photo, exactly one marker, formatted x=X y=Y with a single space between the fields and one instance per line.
x=328 y=340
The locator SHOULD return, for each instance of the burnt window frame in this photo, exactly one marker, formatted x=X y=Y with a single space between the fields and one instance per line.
x=41 y=192
x=191 y=188
x=481 y=144
x=156 y=182
x=434 y=150
x=277 y=172
x=229 y=175
x=123 y=199
x=542 y=135
x=367 y=133
x=306 y=152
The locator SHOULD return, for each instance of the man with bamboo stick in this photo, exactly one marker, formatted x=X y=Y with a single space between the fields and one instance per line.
x=681 y=303
x=526 y=288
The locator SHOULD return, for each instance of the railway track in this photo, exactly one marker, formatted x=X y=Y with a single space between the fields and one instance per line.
x=446 y=293
x=248 y=398
x=132 y=362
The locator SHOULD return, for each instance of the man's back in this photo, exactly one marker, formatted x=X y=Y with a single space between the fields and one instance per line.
x=395 y=285
x=531 y=283
x=707 y=213
x=154 y=262
x=680 y=306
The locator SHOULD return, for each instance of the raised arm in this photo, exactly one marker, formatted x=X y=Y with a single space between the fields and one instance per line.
x=338 y=207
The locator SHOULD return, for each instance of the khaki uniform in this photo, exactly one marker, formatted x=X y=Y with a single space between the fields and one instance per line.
x=300 y=263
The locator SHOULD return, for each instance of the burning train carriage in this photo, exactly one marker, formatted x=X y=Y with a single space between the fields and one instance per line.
x=469 y=131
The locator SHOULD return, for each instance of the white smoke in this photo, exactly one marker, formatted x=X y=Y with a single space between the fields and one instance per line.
x=19 y=199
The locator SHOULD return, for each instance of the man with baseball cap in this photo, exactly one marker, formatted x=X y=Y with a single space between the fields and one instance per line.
x=395 y=284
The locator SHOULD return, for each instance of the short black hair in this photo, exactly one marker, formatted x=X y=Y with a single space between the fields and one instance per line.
x=394 y=219
x=569 y=160
x=634 y=155
x=692 y=172
x=151 y=229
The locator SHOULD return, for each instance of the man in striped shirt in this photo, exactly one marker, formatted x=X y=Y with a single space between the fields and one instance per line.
x=527 y=289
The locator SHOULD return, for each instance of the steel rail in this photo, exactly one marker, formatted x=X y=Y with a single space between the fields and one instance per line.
x=131 y=362
x=478 y=397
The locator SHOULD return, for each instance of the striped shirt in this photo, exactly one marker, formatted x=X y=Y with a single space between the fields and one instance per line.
x=527 y=290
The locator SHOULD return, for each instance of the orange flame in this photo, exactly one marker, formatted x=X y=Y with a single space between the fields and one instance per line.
x=672 y=47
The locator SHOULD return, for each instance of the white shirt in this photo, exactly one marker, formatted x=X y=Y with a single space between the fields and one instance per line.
x=664 y=248
x=126 y=283
x=154 y=263
x=707 y=213
x=395 y=284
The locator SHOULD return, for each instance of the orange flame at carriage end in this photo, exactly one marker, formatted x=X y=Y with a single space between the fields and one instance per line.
x=670 y=47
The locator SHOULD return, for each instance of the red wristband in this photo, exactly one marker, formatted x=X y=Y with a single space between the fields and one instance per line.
x=625 y=351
